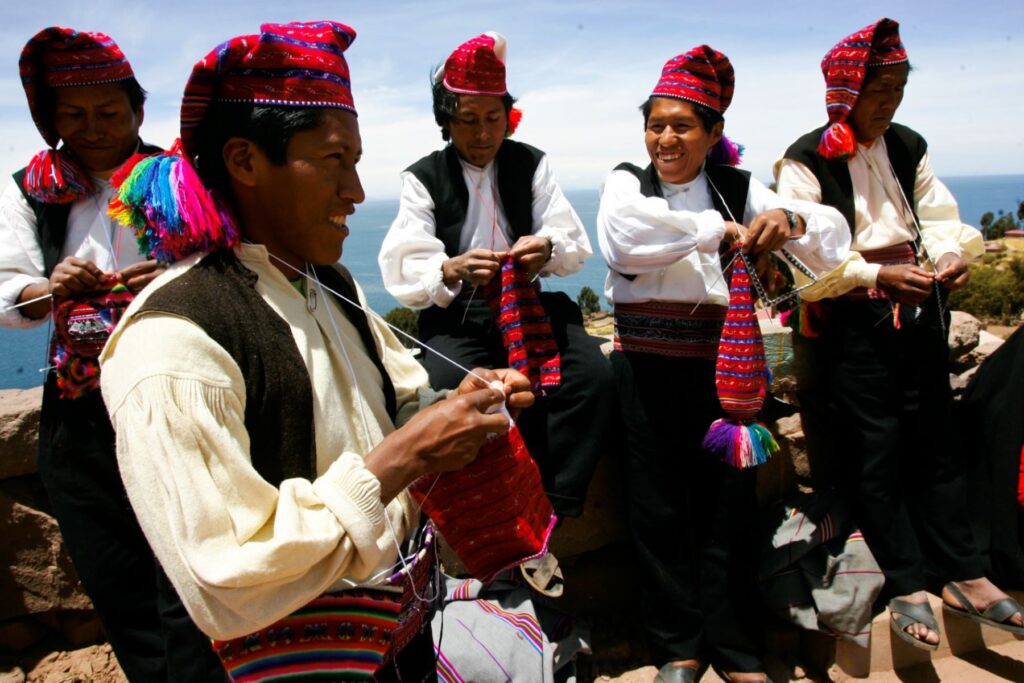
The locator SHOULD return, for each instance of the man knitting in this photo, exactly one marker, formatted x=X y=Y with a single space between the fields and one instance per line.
x=873 y=364
x=478 y=222
x=267 y=427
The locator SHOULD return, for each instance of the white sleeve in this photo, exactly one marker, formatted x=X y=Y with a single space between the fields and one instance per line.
x=796 y=183
x=555 y=219
x=639 y=234
x=21 y=257
x=941 y=229
x=241 y=552
x=411 y=255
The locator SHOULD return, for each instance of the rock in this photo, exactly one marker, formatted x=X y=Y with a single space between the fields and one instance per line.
x=964 y=329
x=11 y=675
x=20 y=634
x=96 y=664
x=40 y=576
x=19 y=430
x=987 y=344
x=82 y=628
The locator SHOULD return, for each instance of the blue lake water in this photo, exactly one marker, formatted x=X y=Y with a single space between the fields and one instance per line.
x=23 y=352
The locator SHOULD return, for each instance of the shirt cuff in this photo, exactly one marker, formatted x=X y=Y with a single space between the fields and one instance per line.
x=864 y=274
x=710 y=231
x=352 y=493
x=10 y=290
x=433 y=283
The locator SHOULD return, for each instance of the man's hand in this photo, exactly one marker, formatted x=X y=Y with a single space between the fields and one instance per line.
x=440 y=438
x=516 y=386
x=531 y=252
x=907 y=284
x=953 y=273
x=476 y=266
x=73 y=275
x=138 y=275
x=733 y=232
x=767 y=232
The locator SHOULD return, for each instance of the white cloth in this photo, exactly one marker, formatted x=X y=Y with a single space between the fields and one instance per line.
x=671 y=244
x=411 y=256
x=91 y=234
x=878 y=203
x=240 y=552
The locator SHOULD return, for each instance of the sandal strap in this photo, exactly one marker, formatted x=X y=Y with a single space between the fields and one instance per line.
x=964 y=602
x=907 y=613
x=1003 y=610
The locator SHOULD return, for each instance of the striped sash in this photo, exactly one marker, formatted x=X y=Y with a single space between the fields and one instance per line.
x=669 y=328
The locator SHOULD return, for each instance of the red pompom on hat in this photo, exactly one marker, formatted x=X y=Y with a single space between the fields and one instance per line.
x=59 y=57
x=477 y=67
x=844 y=68
x=301 y=64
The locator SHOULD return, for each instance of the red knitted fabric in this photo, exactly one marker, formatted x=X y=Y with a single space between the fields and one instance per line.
x=740 y=375
x=525 y=329
x=475 y=68
x=301 y=64
x=493 y=512
x=702 y=75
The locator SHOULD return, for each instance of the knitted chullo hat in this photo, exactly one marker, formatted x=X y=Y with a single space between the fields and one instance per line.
x=287 y=65
x=703 y=76
x=58 y=57
x=741 y=380
x=844 y=68
x=477 y=67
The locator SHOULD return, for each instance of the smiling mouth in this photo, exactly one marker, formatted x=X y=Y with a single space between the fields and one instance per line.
x=340 y=222
x=667 y=157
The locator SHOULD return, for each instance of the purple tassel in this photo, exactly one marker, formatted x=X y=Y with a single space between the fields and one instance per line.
x=725 y=152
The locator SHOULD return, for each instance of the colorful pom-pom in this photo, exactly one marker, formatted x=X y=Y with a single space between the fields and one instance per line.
x=740 y=444
x=53 y=178
x=726 y=152
x=514 y=117
x=838 y=142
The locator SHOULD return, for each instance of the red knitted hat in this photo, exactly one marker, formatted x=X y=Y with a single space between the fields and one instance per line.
x=702 y=75
x=301 y=64
x=844 y=68
x=477 y=67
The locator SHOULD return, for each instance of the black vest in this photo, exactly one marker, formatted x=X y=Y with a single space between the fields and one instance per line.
x=52 y=219
x=219 y=295
x=905 y=147
x=441 y=173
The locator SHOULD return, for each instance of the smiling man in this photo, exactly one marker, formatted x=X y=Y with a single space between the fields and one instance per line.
x=873 y=374
x=465 y=209
x=267 y=427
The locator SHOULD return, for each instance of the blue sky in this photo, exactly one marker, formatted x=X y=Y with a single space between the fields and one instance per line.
x=580 y=69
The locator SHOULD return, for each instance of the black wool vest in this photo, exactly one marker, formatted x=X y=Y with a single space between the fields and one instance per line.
x=52 y=219
x=219 y=295
x=441 y=173
x=905 y=147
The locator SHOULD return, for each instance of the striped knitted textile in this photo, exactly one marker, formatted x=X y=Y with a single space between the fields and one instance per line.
x=477 y=67
x=493 y=513
x=669 y=328
x=81 y=326
x=343 y=636
x=741 y=379
x=844 y=68
x=525 y=329
x=58 y=57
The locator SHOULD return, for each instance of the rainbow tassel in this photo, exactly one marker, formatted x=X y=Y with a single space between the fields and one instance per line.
x=838 y=142
x=172 y=213
x=53 y=178
x=726 y=152
x=740 y=444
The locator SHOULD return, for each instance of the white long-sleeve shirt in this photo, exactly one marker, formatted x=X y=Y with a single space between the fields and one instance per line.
x=411 y=256
x=671 y=244
x=92 y=235
x=241 y=552
x=879 y=208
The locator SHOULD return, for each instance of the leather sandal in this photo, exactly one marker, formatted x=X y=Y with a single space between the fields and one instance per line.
x=996 y=616
x=670 y=673
x=904 y=614
x=544 y=575
x=729 y=679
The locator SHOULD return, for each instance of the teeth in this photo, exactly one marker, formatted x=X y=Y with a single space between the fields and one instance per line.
x=338 y=220
x=669 y=157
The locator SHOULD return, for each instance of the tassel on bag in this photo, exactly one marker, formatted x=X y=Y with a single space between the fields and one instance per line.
x=741 y=379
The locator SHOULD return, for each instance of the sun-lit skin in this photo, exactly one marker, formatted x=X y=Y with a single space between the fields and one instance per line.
x=299 y=209
x=478 y=128
x=676 y=140
x=97 y=125
x=880 y=97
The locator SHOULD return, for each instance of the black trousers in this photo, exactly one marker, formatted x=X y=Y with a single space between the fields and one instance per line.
x=78 y=467
x=566 y=430
x=876 y=402
x=692 y=517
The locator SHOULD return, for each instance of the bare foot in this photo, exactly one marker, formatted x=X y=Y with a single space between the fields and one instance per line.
x=983 y=594
x=917 y=629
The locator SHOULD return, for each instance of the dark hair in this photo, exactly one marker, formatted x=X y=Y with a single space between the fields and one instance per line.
x=708 y=116
x=446 y=104
x=136 y=94
x=271 y=128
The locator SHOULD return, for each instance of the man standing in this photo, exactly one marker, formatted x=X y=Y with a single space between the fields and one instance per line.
x=267 y=427
x=57 y=245
x=873 y=364
x=465 y=209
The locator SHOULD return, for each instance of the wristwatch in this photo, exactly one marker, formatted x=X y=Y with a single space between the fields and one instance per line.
x=791 y=217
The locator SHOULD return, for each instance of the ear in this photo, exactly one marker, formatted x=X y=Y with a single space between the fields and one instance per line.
x=716 y=132
x=140 y=115
x=242 y=159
